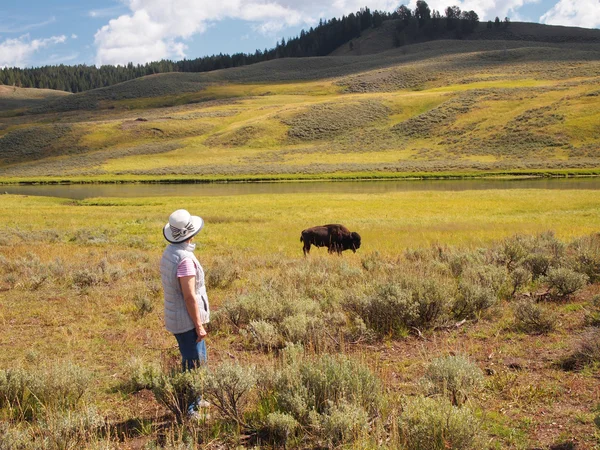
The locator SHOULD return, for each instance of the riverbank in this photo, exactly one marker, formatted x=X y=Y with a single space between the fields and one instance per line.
x=357 y=176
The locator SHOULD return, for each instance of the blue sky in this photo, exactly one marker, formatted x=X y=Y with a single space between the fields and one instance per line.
x=41 y=32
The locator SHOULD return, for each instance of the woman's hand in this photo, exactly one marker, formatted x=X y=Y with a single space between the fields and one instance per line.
x=201 y=332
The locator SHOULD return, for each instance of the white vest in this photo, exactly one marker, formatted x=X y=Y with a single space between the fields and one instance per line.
x=177 y=319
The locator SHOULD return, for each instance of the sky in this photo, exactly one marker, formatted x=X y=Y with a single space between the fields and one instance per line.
x=97 y=32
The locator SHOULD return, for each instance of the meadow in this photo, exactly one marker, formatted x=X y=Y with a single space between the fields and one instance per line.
x=441 y=108
x=467 y=319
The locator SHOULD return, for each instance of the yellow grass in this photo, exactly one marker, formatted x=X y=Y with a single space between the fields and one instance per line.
x=490 y=84
x=390 y=222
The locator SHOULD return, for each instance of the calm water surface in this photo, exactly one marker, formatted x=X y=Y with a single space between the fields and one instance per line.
x=219 y=189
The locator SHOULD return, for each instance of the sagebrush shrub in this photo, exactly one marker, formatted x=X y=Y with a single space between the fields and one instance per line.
x=435 y=424
x=103 y=273
x=30 y=393
x=563 y=282
x=519 y=278
x=479 y=289
x=143 y=304
x=459 y=262
x=538 y=264
x=548 y=243
x=268 y=304
x=302 y=328
x=317 y=384
x=514 y=250
x=489 y=275
x=331 y=396
x=56 y=430
x=342 y=423
x=142 y=375
x=264 y=335
x=280 y=427
x=71 y=429
x=372 y=262
x=228 y=387
x=432 y=297
x=389 y=310
x=86 y=278
x=110 y=272
x=586 y=256
x=357 y=331
x=472 y=299
x=244 y=309
x=222 y=272
x=533 y=318
x=178 y=390
x=454 y=377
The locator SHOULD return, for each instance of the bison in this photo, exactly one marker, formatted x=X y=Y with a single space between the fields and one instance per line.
x=335 y=237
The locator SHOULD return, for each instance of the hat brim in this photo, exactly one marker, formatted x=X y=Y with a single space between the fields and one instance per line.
x=198 y=225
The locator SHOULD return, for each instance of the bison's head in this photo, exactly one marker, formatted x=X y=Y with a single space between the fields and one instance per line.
x=355 y=241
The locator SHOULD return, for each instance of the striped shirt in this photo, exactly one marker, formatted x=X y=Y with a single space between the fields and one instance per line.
x=186 y=268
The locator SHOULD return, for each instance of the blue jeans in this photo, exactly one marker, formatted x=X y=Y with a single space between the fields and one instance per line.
x=193 y=353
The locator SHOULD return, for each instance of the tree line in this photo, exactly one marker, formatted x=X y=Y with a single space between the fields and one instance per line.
x=424 y=23
x=318 y=41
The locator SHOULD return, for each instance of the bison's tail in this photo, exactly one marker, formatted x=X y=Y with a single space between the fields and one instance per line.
x=301 y=240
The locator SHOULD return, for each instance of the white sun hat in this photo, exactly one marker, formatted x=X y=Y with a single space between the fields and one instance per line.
x=182 y=226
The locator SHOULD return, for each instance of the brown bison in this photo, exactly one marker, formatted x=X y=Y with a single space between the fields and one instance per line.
x=335 y=237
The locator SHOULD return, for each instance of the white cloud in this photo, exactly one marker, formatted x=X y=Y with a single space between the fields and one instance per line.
x=574 y=13
x=16 y=52
x=74 y=36
x=106 y=12
x=25 y=27
x=155 y=28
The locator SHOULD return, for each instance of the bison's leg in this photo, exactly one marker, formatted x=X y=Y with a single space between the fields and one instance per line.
x=306 y=248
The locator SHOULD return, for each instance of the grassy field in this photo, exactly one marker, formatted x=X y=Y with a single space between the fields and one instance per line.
x=442 y=107
x=81 y=293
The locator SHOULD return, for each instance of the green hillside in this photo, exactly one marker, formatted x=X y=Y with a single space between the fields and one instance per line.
x=440 y=107
x=12 y=97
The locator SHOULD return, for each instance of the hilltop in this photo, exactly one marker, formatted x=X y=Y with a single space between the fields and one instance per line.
x=380 y=39
x=523 y=101
x=15 y=98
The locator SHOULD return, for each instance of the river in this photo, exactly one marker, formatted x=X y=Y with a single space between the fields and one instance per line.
x=83 y=191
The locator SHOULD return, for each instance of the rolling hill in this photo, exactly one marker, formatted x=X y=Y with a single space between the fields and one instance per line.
x=518 y=100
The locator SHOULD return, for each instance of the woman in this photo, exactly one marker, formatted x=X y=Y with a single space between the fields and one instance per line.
x=186 y=302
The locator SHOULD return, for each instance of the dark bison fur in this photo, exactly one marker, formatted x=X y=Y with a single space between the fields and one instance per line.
x=335 y=237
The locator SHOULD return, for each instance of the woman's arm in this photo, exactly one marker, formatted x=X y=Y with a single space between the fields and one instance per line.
x=188 y=286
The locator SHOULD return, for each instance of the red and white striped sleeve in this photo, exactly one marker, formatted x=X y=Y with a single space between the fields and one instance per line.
x=186 y=268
